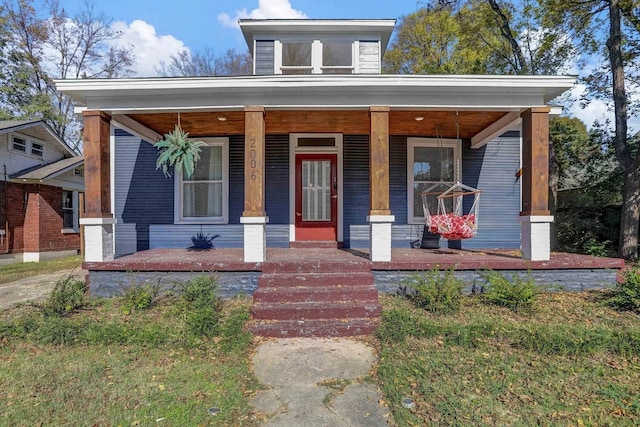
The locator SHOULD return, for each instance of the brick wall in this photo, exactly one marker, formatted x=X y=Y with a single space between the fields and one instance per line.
x=34 y=215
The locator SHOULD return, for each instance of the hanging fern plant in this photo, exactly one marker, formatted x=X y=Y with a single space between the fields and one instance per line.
x=179 y=152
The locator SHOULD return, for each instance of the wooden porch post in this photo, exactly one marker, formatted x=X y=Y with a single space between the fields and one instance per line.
x=380 y=218
x=97 y=220
x=535 y=217
x=254 y=216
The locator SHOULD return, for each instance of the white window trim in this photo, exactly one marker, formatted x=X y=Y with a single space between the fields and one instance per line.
x=29 y=141
x=316 y=66
x=224 y=219
x=293 y=150
x=456 y=144
x=75 y=207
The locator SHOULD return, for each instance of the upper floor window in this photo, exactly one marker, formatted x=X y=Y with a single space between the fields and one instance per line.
x=315 y=57
x=337 y=58
x=70 y=216
x=37 y=149
x=296 y=58
x=27 y=145
x=19 y=144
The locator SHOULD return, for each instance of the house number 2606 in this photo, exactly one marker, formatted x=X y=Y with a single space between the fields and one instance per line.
x=252 y=159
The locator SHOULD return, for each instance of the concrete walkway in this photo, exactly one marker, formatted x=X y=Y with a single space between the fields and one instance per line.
x=317 y=382
x=31 y=288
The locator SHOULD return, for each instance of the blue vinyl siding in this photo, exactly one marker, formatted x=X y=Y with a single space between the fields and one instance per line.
x=264 y=57
x=492 y=169
x=236 y=178
x=143 y=195
x=355 y=183
x=277 y=178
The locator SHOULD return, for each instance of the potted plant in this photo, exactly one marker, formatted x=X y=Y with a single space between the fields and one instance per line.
x=179 y=152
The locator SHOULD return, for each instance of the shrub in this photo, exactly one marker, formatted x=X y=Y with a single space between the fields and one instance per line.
x=626 y=295
x=138 y=297
x=516 y=292
x=201 y=306
x=66 y=296
x=435 y=291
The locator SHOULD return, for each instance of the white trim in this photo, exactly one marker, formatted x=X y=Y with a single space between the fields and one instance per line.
x=135 y=128
x=97 y=221
x=254 y=220
x=112 y=176
x=381 y=218
x=293 y=150
x=497 y=128
x=536 y=218
x=178 y=207
x=412 y=142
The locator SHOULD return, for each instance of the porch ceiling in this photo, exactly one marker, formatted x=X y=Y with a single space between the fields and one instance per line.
x=351 y=122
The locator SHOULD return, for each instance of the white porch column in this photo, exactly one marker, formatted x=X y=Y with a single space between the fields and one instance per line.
x=255 y=238
x=536 y=237
x=380 y=237
x=98 y=239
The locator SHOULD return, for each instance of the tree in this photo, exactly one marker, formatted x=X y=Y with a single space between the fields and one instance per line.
x=585 y=20
x=42 y=49
x=205 y=63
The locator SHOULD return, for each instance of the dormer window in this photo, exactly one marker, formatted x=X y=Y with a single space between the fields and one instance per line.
x=316 y=57
x=37 y=149
x=337 y=58
x=296 y=58
x=19 y=144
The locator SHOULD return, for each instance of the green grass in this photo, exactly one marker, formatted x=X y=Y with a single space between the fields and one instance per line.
x=571 y=361
x=21 y=270
x=98 y=366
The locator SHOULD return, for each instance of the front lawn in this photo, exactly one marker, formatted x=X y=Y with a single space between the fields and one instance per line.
x=99 y=366
x=21 y=270
x=570 y=361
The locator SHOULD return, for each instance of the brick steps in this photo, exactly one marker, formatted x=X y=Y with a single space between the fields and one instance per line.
x=315 y=297
x=314 y=328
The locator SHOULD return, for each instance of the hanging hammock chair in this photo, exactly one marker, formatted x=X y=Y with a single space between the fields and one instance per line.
x=453 y=224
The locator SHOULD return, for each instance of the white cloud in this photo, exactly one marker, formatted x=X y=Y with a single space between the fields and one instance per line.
x=148 y=47
x=267 y=9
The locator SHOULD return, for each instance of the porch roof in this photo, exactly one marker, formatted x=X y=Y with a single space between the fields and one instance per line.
x=401 y=92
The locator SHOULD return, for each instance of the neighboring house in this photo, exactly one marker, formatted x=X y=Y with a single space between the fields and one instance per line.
x=39 y=193
x=316 y=147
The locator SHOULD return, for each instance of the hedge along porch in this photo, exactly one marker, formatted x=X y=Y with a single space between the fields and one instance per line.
x=265 y=130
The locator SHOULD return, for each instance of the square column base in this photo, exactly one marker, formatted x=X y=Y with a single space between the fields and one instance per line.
x=380 y=237
x=255 y=238
x=98 y=239
x=535 y=237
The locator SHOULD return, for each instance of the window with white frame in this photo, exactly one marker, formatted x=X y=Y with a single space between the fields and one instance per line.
x=319 y=56
x=26 y=145
x=37 y=149
x=203 y=197
x=19 y=144
x=431 y=164
x=70 y=211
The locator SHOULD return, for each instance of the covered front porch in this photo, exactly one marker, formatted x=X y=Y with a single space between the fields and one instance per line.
x=260 y=125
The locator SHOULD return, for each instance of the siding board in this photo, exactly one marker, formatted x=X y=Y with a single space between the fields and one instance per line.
x=355 y=183
x=277 y=178
x=136 y=175
x=264 y=57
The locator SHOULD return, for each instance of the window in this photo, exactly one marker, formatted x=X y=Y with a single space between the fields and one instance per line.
x=79 y=171
x=37 y=149
x=337 y=58
x=315 y=57
x=296 y=58
x=70 y=211
x=19 y=144
x=203 y=197
x=26 y=145
x=430 y=162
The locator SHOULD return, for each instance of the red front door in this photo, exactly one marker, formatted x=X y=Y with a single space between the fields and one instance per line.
x=316 y=197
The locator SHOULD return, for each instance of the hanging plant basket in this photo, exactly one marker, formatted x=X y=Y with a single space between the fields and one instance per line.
x=176 y=151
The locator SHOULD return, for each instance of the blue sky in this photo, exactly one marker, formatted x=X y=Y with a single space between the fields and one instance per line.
x=158 y=29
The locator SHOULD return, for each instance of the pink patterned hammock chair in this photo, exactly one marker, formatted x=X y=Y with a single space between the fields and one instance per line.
x=453 y=225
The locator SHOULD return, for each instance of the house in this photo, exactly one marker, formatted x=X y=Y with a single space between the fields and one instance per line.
x=317 y=150
x=40 y=193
